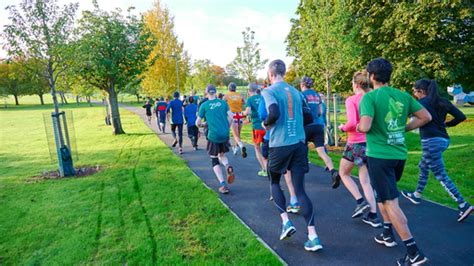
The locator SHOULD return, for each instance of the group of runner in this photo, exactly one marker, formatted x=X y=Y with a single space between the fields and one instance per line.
x=284 y=120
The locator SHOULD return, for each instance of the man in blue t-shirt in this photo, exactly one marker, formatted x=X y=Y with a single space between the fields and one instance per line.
x=288 y=151
x=190 y=114
x=176 y=108
x=218 y=117
x=315 y=131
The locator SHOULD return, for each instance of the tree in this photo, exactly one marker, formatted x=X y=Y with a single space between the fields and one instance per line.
x=432 y=39
x=111 y=52
x=322 y=41
x=12 y=79
x=203 y=74
x=41 y=30
x=36 y=82
x=167 y=57
x=248 y=62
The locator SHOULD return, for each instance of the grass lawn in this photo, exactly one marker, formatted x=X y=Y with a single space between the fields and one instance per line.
x=145 y=207
x=458 y=160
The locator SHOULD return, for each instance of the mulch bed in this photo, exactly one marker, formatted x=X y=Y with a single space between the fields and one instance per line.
x=82 y=171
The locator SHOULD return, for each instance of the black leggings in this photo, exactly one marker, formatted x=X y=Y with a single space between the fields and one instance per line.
x=297 y=178
x=180 y=133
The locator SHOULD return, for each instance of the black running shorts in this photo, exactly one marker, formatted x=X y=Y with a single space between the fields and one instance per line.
x=293 y=157
x=384 y=175
x=315 y=134
x=213 y=149
x=265 y=148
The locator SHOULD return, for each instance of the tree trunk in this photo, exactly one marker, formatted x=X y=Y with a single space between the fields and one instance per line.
x=16 y=99
x=138 y=97
x=78 y=100
x=63 y=98
x=88 y=98
x=114 y=111
x=41 y=99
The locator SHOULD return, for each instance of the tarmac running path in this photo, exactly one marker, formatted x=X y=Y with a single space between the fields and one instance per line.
x=346 y=241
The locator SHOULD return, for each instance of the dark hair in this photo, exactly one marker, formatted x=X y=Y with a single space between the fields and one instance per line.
x=191 y=99
x=430 y=88
x=277 y=67
x=232 y=86
x=381 y=68
x=307 y=81
x=176 y=94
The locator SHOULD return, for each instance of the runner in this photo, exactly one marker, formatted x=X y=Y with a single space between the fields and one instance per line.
x=288 y=151
x=434 y=141
x=383 y=115
x=257 y=130
x=235 y=102
x=315 y=131
x=176 y=107
x=148 y=107
x=160 y=111
x=354 y=154
x=294 y=206
x=190 y=113
x=218 y=117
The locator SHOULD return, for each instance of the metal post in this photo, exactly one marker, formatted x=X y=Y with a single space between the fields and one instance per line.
x=56 y=129
x=335 y=119
x=177 y=70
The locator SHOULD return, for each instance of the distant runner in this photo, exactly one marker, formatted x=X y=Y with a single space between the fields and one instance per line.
x=176 y=108
x=235 y=102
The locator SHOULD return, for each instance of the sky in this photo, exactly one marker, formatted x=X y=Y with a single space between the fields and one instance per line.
x=211 y=29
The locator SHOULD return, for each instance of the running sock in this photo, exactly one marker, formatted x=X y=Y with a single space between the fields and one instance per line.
x=223 y=183
x=312 y=236
x=359 y=201
x=410 y=244
x=387 y=229
x=241 y=144
x=293 y=199
x=372 y=215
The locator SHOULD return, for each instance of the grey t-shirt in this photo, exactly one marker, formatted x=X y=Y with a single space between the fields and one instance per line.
x=288 y=129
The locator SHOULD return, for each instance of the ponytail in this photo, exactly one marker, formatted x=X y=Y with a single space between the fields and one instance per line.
x=430 y=88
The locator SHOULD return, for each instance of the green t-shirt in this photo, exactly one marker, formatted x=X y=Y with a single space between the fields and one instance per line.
x=389 y=109
x=253 y=103
x=215 y=113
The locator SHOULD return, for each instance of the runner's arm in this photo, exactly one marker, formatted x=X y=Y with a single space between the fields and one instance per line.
x=273 y=115
x=365 y=124
x=247 y=111
x=419 y=119
x=457 y=114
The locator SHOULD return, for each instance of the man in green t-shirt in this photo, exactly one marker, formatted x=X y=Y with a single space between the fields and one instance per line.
x=218 y=117
x=383 y=117
x=251 y=108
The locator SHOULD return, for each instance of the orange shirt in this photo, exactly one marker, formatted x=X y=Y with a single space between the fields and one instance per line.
x=234 y=100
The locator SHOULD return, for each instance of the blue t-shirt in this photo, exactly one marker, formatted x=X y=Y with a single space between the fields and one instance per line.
x=262 y=113
x=176 y=107
x=190 y=114
x=288 y=129
x=314 y=102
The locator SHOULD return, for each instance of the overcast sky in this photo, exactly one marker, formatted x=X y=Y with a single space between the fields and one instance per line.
x=211 y=29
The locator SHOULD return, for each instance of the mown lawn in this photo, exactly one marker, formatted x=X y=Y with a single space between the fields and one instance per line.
x=459 y=160
x=145 y=207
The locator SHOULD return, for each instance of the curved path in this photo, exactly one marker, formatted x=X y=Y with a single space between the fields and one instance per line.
x=346 y=241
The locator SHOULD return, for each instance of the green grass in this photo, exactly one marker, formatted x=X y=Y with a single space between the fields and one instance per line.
x=145 y=207
x=458 y=161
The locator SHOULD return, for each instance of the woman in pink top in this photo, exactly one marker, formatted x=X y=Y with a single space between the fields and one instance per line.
x=354 y=154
